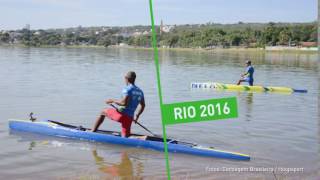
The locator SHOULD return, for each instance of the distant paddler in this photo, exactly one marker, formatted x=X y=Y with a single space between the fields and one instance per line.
x=248 y=75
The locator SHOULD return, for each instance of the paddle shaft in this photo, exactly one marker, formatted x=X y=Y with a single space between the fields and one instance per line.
x=145 y=128
x=137 y=122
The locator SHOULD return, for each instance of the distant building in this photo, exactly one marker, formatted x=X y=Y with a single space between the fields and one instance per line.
x=123 y=45
x=79 y=28
x=105 y=28
x=125 y=34
x=146 y=33
x=37 y=33
x=135 y=34
x=27 y=26
x=308 y=44
x=165 y=28
x=14 y=36
x=161 y=26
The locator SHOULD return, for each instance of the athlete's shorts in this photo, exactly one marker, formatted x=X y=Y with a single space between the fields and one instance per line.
x=249 y=80
x=124 y=119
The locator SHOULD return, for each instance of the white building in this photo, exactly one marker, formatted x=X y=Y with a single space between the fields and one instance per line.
x=165 y=28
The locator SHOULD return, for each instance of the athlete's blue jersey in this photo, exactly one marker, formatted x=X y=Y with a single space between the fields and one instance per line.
x=249 y=72
x=135 y=97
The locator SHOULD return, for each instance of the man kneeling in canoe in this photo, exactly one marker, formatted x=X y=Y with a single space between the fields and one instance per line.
x=132 y=96
x=248 y=75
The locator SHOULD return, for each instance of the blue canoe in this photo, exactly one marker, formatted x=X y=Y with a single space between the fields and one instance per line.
x=54 y=128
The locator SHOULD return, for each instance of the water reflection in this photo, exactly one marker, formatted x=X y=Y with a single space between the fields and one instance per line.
x=32 y=145
x=306 y=60
x=249 y=101
x=127 y=167
x=245 y=100
x=123 y=170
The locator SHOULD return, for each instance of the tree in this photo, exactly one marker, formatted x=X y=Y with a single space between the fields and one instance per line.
x=234 y=39
x=5 y=37
x=105 y=41
x=284 y=37
x=26 y=37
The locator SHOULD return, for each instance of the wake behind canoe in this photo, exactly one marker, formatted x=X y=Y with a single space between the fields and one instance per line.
x=54 y=128
x=233 y=87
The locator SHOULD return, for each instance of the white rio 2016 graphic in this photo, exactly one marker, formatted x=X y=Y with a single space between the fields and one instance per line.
x=208 y=110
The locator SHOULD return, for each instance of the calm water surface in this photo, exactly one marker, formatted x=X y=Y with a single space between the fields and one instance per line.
x=276 y=130
x=70 y=85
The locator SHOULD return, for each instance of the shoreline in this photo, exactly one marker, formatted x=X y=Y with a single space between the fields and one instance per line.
x=201 y=50
x=231 y=50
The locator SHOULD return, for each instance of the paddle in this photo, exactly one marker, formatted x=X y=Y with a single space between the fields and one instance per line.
x=181 y=142
x=137 y=122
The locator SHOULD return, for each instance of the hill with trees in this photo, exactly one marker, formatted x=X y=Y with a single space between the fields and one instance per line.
x=208 y=35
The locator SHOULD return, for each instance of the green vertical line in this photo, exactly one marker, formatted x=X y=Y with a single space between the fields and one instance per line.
x=156 y=61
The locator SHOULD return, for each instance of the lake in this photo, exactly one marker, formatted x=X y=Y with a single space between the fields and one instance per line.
x=71 y=84
x=276 y=130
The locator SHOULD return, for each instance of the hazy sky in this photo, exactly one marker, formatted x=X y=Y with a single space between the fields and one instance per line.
x=14 y=14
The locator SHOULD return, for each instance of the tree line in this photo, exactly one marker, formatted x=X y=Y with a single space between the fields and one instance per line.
x=271 y=34
x=185 y=36
x=77 y=36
